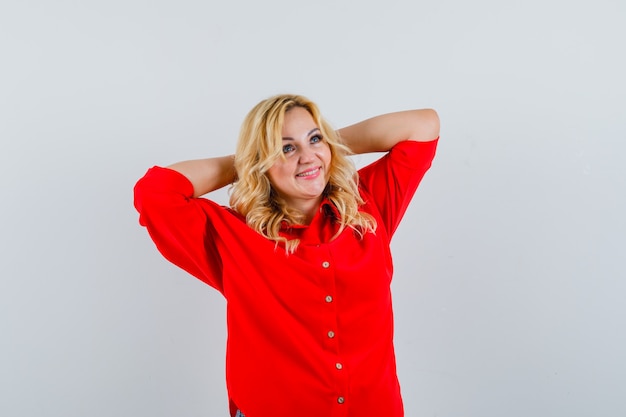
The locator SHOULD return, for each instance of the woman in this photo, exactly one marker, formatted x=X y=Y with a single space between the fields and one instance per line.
x=301 y=256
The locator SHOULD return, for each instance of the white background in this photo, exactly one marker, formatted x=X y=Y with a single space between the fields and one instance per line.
x=510 y=279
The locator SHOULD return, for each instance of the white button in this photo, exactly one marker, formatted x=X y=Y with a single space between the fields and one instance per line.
x=329 y=298
x=339 y=366
x=325 y=264
x=331 y=334
x=341 y=400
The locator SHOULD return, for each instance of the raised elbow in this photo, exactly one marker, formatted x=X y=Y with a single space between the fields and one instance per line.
x=426 y=125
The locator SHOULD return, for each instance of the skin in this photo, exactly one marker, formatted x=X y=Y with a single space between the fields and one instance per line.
x=301 y=176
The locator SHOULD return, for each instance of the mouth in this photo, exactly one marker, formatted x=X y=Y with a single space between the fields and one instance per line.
x=309 y=172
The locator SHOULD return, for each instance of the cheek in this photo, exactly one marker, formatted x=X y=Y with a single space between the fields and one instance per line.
x=324 y=153
x=328 y=157
x=271 y=174
x=277 y=172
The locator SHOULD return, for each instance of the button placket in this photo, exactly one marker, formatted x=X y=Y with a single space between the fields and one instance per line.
x=331 y=336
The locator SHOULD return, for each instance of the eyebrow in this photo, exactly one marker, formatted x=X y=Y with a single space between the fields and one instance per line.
x=317 y=129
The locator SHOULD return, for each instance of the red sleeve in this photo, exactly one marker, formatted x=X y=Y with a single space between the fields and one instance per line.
x=179 y=224
x=390 y=182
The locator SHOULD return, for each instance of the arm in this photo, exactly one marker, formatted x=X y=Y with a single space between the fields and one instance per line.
x=207 y=175
x=381 y=133
x=180 y=226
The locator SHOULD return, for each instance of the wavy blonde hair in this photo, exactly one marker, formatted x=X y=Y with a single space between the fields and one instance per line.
x=260 y=146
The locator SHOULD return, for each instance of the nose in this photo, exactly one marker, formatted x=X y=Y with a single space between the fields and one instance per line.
x=306 y=156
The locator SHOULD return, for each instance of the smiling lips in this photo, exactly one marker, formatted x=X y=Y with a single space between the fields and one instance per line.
x=309 y=173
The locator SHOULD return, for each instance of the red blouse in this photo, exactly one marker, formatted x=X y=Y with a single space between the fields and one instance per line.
x=311 y=333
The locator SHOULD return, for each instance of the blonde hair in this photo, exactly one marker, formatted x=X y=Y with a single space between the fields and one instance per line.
x=258 y=148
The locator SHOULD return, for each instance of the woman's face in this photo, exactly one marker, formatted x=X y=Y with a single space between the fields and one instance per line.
x=301 y=177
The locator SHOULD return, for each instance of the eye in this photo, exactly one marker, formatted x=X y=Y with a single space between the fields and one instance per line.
x=288 y=148
x=316 y=139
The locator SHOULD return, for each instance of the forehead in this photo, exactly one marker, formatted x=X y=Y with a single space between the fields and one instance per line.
x=298 y=121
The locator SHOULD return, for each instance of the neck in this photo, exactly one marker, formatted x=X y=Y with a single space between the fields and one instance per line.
x=308 y=210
